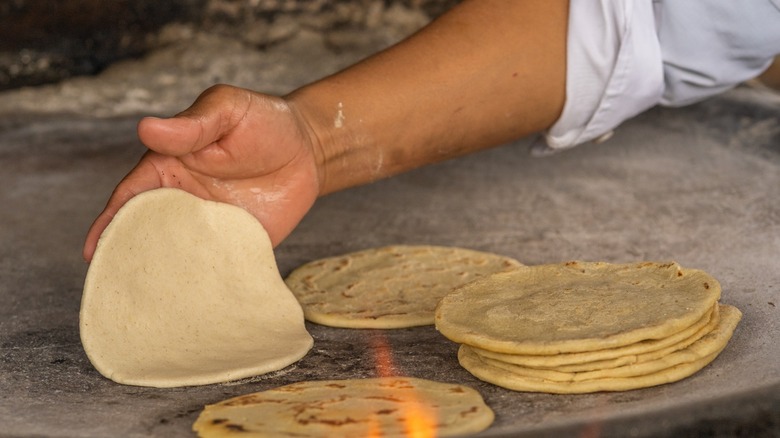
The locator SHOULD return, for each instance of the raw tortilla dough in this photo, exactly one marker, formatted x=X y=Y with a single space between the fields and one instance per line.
x=349 y=408
x=673 y=367
x=389 y=287
x=576 y=307
x=183 y=291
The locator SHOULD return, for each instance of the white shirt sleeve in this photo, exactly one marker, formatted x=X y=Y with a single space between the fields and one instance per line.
x=613 y=69
x=709 y=47
x=626 y=56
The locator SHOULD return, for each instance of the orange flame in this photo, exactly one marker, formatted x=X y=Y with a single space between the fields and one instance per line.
x=374 y=429
x=419 y=419
x=383 y=356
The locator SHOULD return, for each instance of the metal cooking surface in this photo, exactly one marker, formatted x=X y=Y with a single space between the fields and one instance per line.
x=699 y=185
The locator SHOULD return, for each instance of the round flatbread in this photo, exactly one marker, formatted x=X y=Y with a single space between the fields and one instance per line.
x=713 y=342
x=612 y=357
x=387 y=407
x=183 y=291
x=576 y=307
x=389 y=287
x=675 y=366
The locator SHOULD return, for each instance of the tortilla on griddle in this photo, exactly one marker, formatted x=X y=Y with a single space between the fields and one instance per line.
x=389 y=287
x=576 y=307
x=610 y=358
x=673 y=367
x=385 y=407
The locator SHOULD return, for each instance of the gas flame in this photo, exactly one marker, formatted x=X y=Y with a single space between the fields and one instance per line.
x=419 y=419
x=374 y=429
x=383 y=356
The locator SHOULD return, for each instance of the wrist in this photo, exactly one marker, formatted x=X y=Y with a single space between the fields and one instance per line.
x=340 y=144
x=316 y=136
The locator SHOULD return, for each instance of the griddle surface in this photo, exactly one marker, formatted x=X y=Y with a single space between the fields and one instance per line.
x=699 y=185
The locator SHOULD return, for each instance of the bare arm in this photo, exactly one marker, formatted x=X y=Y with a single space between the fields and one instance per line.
x=487 y=72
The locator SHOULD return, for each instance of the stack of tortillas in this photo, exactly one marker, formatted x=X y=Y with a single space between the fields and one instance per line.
x=389 y=287
x=584 y=327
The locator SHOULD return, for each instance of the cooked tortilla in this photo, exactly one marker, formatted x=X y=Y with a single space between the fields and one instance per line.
x=387 y=407
x=576 y=307
x=670 y=368
x=183 y=291
x=389 y=287
x=612 y=357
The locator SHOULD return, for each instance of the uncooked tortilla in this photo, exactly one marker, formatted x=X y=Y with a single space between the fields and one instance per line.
x=390 y=287
x=576 y=307
x=183 y=291
x=387 y=407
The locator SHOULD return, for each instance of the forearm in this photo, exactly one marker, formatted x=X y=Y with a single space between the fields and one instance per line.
x=485 y=73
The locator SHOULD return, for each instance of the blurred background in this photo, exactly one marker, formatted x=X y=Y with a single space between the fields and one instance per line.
x=103 y=58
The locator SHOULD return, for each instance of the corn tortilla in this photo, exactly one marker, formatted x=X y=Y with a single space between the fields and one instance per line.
x=576 y=307
x=389 y=287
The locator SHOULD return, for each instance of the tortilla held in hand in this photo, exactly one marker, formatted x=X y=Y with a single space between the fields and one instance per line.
x=390 y=287
x=386 y=407
x=183 y=291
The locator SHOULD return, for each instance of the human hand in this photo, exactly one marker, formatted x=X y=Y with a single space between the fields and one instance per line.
x=232 y=145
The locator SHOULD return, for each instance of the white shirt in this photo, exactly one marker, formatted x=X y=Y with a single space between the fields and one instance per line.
x=626 y=56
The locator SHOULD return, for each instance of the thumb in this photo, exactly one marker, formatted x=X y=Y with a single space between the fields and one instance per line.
x=175 y=136
x=213 y=115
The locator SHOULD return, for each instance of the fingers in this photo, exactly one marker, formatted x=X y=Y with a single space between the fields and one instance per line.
x=142 y=178
x=210 y=119
x=93 y=235
x=213 y=115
